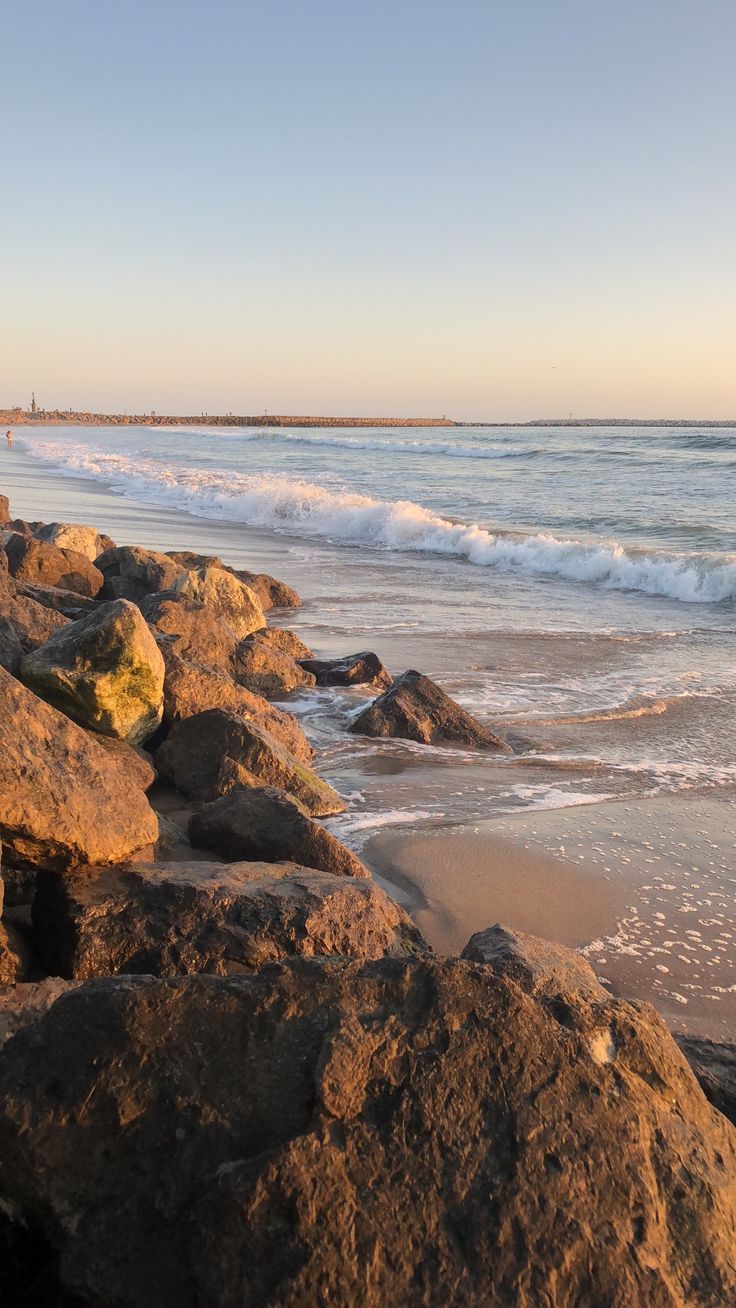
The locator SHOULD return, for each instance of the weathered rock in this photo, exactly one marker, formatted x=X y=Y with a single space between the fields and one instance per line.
x=364 y=669
x=714 y=1064
x=130 y=572
x=11 y=649
x=105 y=671
x=63 y=799
x=540 y=967
x=191 y=630
x=272 y=594
x=210 y=753
x=415 y=708
x=266 y=670
x=265 y=823
x=189 y=560
x=42 y=564
x=287 y=641
x=170 y=919
x=68 y=602
x=15 y=956
x=413 y=1132
x=24 y=624
x=136 y=762
x=4 y=510
x=224 y=595
x=19 y=885
x=72 y=536
x=190 y=689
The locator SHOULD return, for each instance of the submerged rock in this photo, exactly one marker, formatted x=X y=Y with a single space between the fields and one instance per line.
x=176 y=918
x=262 y=667
x=416 y=1132
x=222 y=593
x=415 y=708
x=209 y=754
x=42 y=564
x=363 y=669
x=63 y=798
x=190 y=688
x=105 y=671
x=131 y=573
x=265 y=823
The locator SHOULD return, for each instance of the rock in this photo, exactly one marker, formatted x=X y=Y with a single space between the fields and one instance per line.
x=364 y=669
x=224 y=595
x=24 y=624
x=265 y=823
x=43 y=564
x=714 y=1064
x=4 y=510
x=188 y=560
x=176 y=918
x=272 y=594
x=63 y=799
x=68 y=602
x=414 y=1132
x=287 y=641
x=15 y=956
x=11 y=649
x=136 y=762
x=105 y=671
x=210 y=753
x=191 y=630
x=540 y=967
x=130 y=572
x=72 y=536
x=261 y=667
x=414 y=708
x=190 y=689
x=19 y=885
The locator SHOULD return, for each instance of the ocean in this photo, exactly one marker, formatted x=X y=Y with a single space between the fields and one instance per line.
x=575 y=587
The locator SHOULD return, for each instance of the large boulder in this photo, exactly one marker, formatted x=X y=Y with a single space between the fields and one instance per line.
x=105 y=671
x=265 y=823
x=67 y=602
x=266 y=670
x=24 y=624
x=42 y=564
x=193 y=631
x=363 y=669
x=209 y=754
x=287 y=641
x=415 y=708
x=714 y=1064
x=233 y=602
x=271 y=593
x=63 y=798
x=403 y=1131
x=166 y=919
x=131 y=572
x=4 y=510
x=190 y=688
x=542 y=968
x=73 y=536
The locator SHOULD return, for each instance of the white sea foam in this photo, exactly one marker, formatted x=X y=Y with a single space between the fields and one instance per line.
x=291 y=504
x=452 y=449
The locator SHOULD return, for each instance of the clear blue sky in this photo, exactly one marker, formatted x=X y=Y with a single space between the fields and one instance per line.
x=490 y=210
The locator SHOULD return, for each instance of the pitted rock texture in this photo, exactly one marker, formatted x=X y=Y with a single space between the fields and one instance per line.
x=130 y=572
x=222 y=593
x=419 y=1133
x=269 y=824
x=167 y=919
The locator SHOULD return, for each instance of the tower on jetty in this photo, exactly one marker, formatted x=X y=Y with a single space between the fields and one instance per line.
x=34 y=408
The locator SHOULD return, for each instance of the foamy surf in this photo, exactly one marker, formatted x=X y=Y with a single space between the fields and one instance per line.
x=292 y=504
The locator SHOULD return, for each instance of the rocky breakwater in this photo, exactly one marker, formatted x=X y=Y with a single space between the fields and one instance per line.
x=241 y=1079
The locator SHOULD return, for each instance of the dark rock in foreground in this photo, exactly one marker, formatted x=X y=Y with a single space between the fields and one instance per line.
x=265 y=823
x=419 y=1133
x=63 y=798
x=213 y=752
x=363 y=669
x=714 y=1064
x=167 y=919
x=415 y=708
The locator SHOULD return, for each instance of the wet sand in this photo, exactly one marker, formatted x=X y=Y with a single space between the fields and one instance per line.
x=645 y=889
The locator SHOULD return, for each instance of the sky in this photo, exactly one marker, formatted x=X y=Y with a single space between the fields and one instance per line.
x=370 y=207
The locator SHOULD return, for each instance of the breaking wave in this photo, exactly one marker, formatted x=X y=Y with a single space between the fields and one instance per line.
x=294 y=505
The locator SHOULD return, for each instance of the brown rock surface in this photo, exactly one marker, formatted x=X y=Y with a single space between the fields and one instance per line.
x=63 y=799
x=42 y=564
x=363 y=669
x=272 y=594
x=190 y=688
x=265 y=823
x=221 y=592
x=209 y=754
x=14 y=956
x=131 y=572
x=191 y=630
x=714 y=1064
x=24 y=624
x=413 y=1132
x=4 y=510
x=176 y=918
x=415 y=708
x=68 y=602
x=542 y=968
x=72 y=536
x=105 y=671
x=134 y=760
x=262 y=667
x=287 y=641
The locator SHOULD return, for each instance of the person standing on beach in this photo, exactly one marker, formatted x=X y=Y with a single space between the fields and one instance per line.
x=9 y=438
